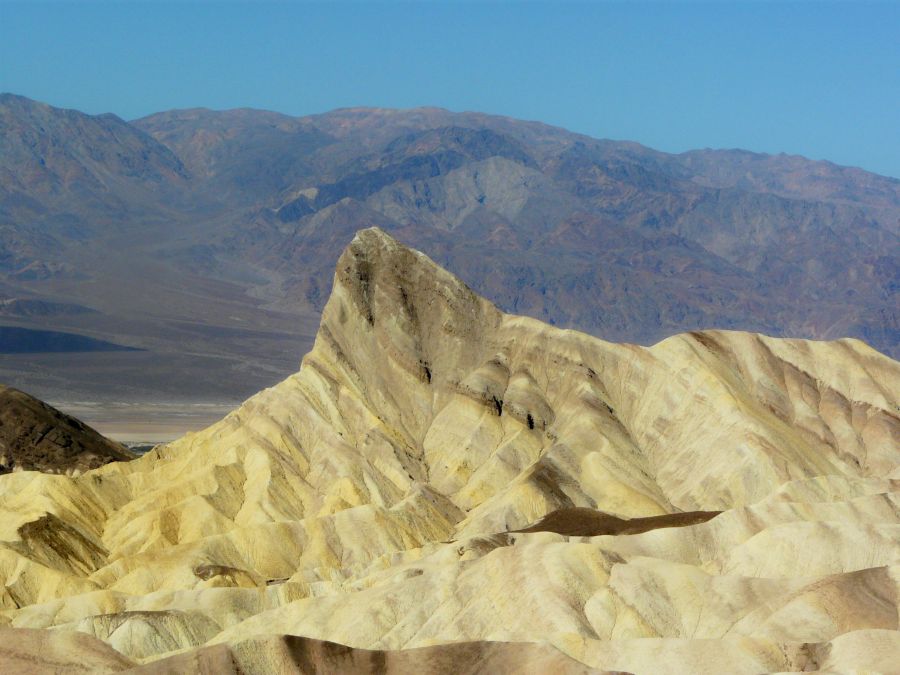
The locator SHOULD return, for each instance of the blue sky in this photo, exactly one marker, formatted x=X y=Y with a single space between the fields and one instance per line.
x=817 y=79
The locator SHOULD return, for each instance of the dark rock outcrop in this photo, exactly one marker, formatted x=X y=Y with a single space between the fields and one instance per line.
x=36 y=437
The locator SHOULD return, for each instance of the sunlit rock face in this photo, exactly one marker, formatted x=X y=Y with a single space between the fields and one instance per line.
x=439 y=472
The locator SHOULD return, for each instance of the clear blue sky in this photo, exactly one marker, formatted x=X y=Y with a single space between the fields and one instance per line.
x=817 y=79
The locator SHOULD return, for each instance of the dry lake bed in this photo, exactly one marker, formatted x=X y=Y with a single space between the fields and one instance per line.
x=145 y=423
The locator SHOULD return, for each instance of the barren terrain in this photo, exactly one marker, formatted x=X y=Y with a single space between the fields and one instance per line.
x=444 y=483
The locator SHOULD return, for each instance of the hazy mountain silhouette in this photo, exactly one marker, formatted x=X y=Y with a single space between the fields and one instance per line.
x=215 y=233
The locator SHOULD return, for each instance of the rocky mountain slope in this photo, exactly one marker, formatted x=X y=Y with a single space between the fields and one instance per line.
x=439 y=472
x=208 y=238
x=67 y=177
x=36 y=437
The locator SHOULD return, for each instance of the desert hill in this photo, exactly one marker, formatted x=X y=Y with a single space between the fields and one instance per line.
x=439 y=472
x=207 y=238
x=37 y=437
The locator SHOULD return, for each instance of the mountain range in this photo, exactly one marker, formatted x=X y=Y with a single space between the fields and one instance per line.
x=206 y=239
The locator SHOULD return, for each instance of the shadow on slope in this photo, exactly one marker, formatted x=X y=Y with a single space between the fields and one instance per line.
x=584 y=522
x=292 y=654
x=15 y=340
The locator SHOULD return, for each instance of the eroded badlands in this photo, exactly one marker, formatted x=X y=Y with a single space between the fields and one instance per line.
x=439 y=472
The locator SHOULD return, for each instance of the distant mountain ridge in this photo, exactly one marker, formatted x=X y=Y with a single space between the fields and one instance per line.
x=229 y=219
x=65 y=164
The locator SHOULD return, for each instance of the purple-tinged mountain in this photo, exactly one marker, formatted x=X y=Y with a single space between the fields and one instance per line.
x=215 y=233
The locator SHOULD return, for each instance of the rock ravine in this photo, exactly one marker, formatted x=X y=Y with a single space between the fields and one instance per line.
x=443 y=487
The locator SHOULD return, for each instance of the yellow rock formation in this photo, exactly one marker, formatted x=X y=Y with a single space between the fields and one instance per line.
x=372 y=500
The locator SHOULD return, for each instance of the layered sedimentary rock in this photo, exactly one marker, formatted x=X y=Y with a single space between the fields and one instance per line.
x=439 y=472
x=36 y=437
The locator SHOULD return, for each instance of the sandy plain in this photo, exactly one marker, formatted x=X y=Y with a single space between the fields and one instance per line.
x=149 y=422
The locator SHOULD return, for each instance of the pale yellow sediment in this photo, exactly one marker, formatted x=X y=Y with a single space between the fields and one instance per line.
x=365 y=500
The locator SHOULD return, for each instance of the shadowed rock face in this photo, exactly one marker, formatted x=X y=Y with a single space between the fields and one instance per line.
x=439 y=472
x=581 y=522
x=37 y=437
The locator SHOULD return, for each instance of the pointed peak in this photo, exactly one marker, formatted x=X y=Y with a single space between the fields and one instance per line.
x=391 y=300
x=383 y=276
x=374 y=250
x=374 y=236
